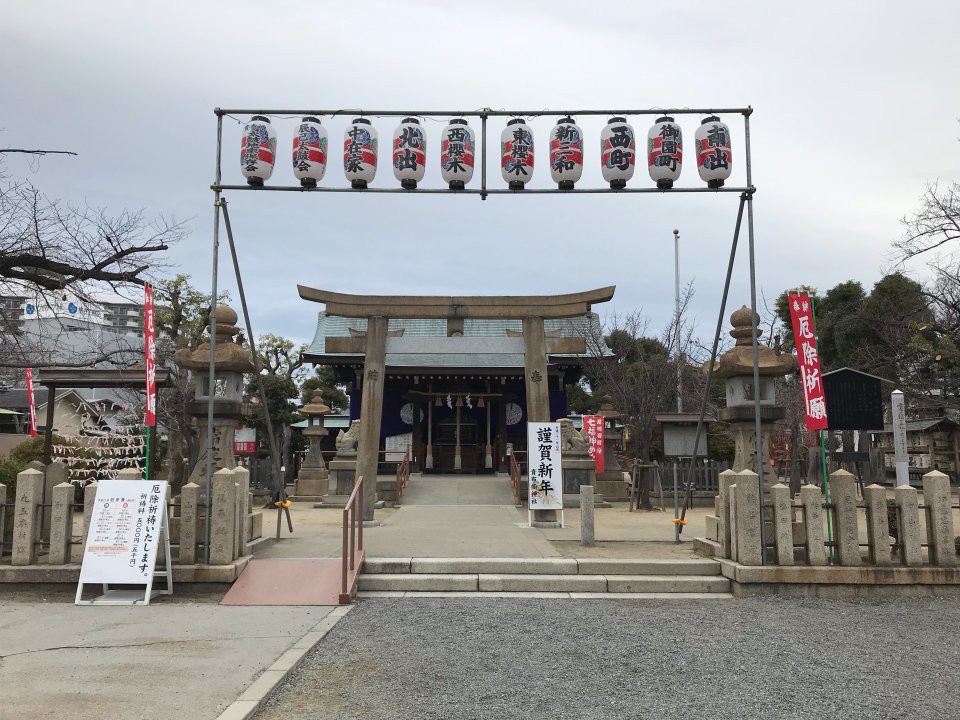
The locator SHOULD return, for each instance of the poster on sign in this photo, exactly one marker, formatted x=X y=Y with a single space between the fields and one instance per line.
x=801 y=317
x=244 y=440
x=127 y=521
x=544 y=470
x=593 y=426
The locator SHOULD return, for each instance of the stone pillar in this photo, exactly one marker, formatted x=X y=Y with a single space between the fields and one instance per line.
x=749 y=548
x=189 y=521
x=812 y=500
x=223 y=531
x=3 y=513
x=909 y=525
x=940 y=537
x=29 y=495
x=368 y=447
x=586 y=516
x=129 y=474
x=728 y=478
x=843 y=495
x=55 y=474
x=242 y=477
x=878 y=528
x=61 y=523
x=89 y=496
x=732 y=500
x=782 y=523
x=535 y=369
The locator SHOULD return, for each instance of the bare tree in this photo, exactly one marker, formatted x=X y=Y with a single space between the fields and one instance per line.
x=935 y=224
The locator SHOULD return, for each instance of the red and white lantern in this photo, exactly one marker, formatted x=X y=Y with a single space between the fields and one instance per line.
x=457 y=144
x=566 y=153
x=360 y=153
x=310 y=152
x=516 y=154
x=258 y=150
x=409 y=153
x=618 y=152
x=714 y=159
x=665 y=152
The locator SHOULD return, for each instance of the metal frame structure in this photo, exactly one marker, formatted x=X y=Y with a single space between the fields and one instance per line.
x=746 y=194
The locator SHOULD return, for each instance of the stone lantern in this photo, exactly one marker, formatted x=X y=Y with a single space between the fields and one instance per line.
x=313 y=479
x=233 y=361
x=736 y=367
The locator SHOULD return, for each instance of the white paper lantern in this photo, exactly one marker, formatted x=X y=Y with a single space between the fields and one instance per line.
x=566 y=153
x=618 y=152
x=310 y=152
x=457 y=143
x=409 y=153
x=516 y=154
x=360 y=153
x=714 y=159
x=665 y=152
x=258 y=150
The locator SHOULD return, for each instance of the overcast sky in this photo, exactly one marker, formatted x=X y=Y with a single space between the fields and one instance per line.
x=856 y=107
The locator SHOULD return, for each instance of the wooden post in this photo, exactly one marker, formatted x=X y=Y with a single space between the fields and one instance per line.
x=535 y=368
x=48 y=430
x=368 y=448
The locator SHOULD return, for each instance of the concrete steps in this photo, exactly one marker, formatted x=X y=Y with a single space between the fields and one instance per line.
x=541 y=577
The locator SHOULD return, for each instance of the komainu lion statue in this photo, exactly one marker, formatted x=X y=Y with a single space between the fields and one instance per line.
x=347 y=439
x=572 y=440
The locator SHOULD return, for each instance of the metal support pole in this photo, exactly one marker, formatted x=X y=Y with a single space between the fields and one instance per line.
x=274 y=454
x=213 y=355
x=713 y=357
x=483 y=157
x=753 y=341
x=676 y=314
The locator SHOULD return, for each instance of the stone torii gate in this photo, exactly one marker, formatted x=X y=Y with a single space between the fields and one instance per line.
x=378 y=309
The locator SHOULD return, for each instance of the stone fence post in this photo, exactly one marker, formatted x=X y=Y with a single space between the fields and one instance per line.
x=25 y=521
x=223 y=531
x=843 y=493
x=89 y=496
x=3 y=513
x=728 y=478
x=782 y=523
x=189 y=520
x=61 y=522
x=812 y=501
x=55 y=474
x=242 y=477
x=878 y=528
x=940 y=538
x=129 y=474
x=586 y=516
x=908 y=513
x=749 y=517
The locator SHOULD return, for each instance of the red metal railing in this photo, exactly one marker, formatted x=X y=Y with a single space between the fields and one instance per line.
x=516 y=478
x=403 y=475
x=352 y=554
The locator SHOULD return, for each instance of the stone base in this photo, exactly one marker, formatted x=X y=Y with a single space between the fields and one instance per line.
x=343 y=474
x=577 y=471
x=254 y=526
x=612 y=489
x=311 y=482
x=332 y=501
x=706 y=548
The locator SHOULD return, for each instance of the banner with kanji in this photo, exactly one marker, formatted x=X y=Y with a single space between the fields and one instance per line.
x=545 y=469
x=593 y=427
x=801 y=317
x=33 y=405
x=149 y=357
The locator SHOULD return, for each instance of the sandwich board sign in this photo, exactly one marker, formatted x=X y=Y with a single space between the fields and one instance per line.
x=544 y=468
x=128 y=520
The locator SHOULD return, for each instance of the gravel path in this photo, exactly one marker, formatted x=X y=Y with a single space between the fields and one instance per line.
x=452 y=659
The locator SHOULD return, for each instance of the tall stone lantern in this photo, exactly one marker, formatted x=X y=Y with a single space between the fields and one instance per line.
x=736 y=367
x=313 y=479
x=233 y=360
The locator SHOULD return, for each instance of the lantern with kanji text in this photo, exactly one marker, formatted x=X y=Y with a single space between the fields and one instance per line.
x=360 y=153
x=566 y=153
x=618 y=152
x=310 y=152
x=516 y=154
x=665 y=152
x=457 y=153
x=258 y=150
x=409 y=153
x=714 y=159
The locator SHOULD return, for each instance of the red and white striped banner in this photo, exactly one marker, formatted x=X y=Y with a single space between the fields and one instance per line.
x=33 y=405
x=149 y=357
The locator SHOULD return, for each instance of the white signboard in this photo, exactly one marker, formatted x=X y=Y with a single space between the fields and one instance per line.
x=125 y=527
x=543 y=466
x=397 y=446
x=899 y=417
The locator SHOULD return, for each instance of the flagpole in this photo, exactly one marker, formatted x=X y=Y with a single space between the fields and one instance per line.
x=823 y=452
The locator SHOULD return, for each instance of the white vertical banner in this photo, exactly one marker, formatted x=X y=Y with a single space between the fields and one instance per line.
x=899 y=417
x=543 y=466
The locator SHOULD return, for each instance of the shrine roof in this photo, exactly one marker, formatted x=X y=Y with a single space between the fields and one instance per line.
x=423 y=343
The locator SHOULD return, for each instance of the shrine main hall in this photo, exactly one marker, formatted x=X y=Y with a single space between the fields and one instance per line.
x=454 y=380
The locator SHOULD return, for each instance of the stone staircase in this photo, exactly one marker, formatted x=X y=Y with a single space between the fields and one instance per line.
x=543 y=578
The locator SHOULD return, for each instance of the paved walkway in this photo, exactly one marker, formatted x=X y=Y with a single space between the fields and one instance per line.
x=474 y=516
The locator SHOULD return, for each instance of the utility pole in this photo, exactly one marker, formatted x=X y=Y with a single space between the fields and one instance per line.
x=676 y=313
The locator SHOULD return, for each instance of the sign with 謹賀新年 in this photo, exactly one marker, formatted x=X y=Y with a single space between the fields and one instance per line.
x=543 y=463
x=594 y=428
x=125 y=525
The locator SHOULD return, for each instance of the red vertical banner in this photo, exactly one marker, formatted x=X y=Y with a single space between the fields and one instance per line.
x=593 y=426
x=33 y=404
x=801 y=317
x=149 y=357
